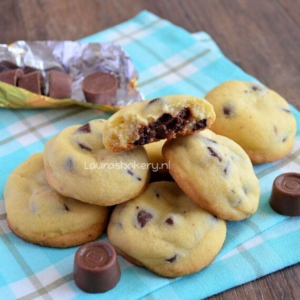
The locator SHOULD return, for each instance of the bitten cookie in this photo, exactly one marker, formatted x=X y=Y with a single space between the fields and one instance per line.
x=38 y=214
x=215 y=172
x=255 y=117
x=153 y=120
x=159 y=169
x=166 y=232
x=77 y=165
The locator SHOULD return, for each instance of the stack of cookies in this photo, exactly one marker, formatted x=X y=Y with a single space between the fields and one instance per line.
x=174 y=227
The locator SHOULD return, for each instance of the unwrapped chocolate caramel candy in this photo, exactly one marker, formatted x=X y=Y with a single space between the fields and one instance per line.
x=96 y=268
x=60 y=85
x=285 y=198
x=100 y=88
x=11 y=76
x=31 y=82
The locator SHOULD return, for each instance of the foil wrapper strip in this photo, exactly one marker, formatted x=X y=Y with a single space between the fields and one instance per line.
x=77 y=59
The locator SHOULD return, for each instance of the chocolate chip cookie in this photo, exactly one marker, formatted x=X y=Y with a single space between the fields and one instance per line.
x=255 y=117
x=153 y=120
x=40 y=215
x=78 y=166
x=215 y=172
x=165 y=231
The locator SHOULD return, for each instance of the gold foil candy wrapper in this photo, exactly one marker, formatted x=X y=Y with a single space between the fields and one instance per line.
x=78 y=59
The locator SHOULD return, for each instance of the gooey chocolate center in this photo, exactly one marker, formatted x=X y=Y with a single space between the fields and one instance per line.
x=166 y=127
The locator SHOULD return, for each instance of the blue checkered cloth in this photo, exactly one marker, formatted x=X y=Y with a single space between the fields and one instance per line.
x=169 y=60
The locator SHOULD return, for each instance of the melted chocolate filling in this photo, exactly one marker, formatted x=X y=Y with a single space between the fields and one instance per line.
x=166 y=127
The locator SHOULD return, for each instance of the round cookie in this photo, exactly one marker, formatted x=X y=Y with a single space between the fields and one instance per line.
x=161 y=118
x=77 y=165
x=255 y=117
x=165 y=231
x=159 y=169
x=215 y=172
x=38 y=214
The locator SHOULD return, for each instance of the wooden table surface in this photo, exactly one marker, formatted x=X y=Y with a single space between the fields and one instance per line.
x=261 y=36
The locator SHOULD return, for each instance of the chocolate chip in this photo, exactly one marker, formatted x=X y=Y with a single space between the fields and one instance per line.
x=200 y=125
x=69 y=164
x=228 y=110
x=284 y=139
x=144 y=138
x=172 y=259
x=210 y=140
x=226 y=169
x=166 y=127
x=169 y=221
x=185 y=114
x=153 y=100
x=144 y=217
x=256 y=88
x=84 y=147
x=85 y=128
x=130 y=172
x=66 y=207
x=157 y=195
x=164 y=119
x=214 y=153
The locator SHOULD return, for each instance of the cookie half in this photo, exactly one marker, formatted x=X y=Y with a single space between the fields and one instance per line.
x=38 y=214
x=165 y=231
x=255 y=117
x=215 y=172
x=78 y=166
x=153 y=120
